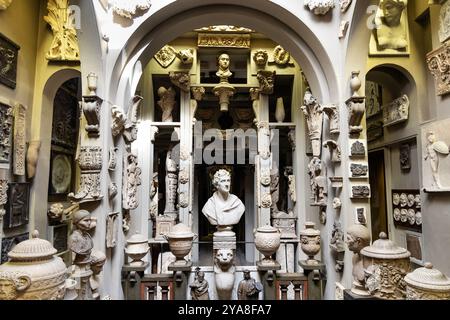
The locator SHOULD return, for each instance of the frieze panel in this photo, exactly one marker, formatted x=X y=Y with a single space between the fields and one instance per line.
x=224 y=40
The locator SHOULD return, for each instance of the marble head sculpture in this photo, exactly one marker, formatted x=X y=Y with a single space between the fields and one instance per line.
x=223 y=209
x=391 y=33
x=223 y=62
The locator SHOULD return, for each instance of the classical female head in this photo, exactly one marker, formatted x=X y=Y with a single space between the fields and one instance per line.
x=222 y=181
x=392 y=11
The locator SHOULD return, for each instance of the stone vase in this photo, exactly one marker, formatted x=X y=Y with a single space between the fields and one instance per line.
x=355 y=83
x=427 y=284
x=280 y=113
x=137 y=248
x=180 y=242
x=32 y=158
x=310 y=242
x=267 y=241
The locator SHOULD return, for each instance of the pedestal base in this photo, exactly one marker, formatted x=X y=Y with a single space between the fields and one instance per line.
x=349 y=295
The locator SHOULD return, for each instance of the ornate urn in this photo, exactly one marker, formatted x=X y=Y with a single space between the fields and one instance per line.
x=180 y=242
x=310 y=242
x=137 y=248
x=427 y=284
x=33 y=273
x=385 y=266
x=267 y=241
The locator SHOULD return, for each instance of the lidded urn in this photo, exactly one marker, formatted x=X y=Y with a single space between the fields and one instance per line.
x=385 y=266
x=180 y=240
x=267 y=241
x=310 y=242
x=137 y=248
x=427 y=284
x=33 y=272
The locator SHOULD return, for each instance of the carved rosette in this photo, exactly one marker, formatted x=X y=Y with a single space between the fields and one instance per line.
x=90 y=163
x=281 y=56
x=266 y=200
x=439 y=65
x=19 y=140
x=266 y=81
x=184 y=176
x=265 y=177
x=181 y=79
x=64 y=45
x=131 y=181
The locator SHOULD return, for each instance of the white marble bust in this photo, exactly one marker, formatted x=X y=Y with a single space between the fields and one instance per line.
x=392 y=31
x=223 y=209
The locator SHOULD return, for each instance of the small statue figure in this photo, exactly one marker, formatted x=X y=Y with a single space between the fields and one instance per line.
x=318 y=182
x=199 y=288
x=167 y=103
x=223 y=63
x=98 y=260
x=275 y=189
x=248 y=288
x=433 y=149
x=223 y=209
x=171 y=183
x=80 y=241
x=154 y=197
x=337 y=237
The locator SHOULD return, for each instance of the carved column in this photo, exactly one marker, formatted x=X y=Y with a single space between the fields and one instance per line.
x=20 y=147
x=3 y=199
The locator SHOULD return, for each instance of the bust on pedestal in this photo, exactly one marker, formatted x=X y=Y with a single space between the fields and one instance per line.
x=358 y=237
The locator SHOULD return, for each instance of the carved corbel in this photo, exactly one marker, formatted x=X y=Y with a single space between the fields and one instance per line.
x=181 y=79
x=266 y=81
x=91 y=111
x=332 y=112
x=130 y=129
x=112 y=229
x=356 y=110
x=335 y=150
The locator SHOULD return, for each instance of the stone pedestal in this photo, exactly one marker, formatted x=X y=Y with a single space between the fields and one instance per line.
x=180 y=277
x=349 y=295
x=316 y=279
x=131 y=281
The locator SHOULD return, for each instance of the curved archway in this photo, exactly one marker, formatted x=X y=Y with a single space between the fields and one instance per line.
x=39 y=189
x=296 y=37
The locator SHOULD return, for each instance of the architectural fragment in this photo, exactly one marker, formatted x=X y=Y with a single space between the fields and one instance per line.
x=131 y=181
x=314 y=116
x=439 y=65
x=19 y=140
x=266 y=81
x=397 y=111
x=181 y=79
x=64 y=46
x=4 y=4
x=320 y=7
x=444 y=20
x=166 y=56
x=129 y=8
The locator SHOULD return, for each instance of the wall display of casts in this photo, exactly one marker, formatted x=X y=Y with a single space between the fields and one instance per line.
x=436 y=159
x=407 y=211
x=9 y=243
x=9 y=52
x=6 y=122
x=60 y=173
x=17 y=207
x=373 y=99
x=390 y=35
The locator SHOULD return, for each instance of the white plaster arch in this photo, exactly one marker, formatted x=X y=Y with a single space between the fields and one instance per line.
x=280 y=24
x=39 y=188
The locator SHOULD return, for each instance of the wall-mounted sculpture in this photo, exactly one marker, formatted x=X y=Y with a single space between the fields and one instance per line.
x=167 y=103
x=130 y=129
x=3 y=200
x=186 y=56
x=361 y=216
x=98 y=260
x=118 y=120
x=64 y=46
x=112 y=190
x=166 y=56
x=224 y=272
x=112 y=230
x=332 y=112
x=154 y=196
x=19 y=140
x=435 y=151
x=360 y=192
x=319 y=186
x=6 y=123
x=345 y=4
x=357 y=149
x=337 y=244
x=314 y=116
x=358 y=170
x=181 y=79
x=286 y=223
x=444 y=22
x=358 y=237
x=292 y=187
x=131 y=181
x=248 y=288
x=91 y=107
x=266 y=81
x=200 y=287
x=171 y=184
x=397 y=111
x=129 y=8
x=310 y=241
x=90 y=162
x=4 y=4
x=335 y=150
x=9 y=51
x=281 y=57
x=356 y=106
x=32 y=158
x=391 y=34
x=112 y=158
x=275 y=189
x=405 y=156
x=320 y=7
x=260 y=57
x=439 y=64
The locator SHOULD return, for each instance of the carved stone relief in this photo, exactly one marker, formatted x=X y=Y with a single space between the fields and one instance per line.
x=397 y=111
x=118 y=120
x=112 y=229
x=112 y=158
x=181 y=79
x=112 y=190
x=286 y=223
x=358 y=149
x=335 y=150
x=345 y=4
x=266 y=200
x=359 y=170
x=224 y=40
x=265 y=177
x=129 y=8
x=319 y=186
x=320 y=7
x=360 y=192
x=343 y=28
x=260 y=57
x=314 y=116
x=91 y=107
x=171 y=184
x=444 y=20
x=6 y=122
x=19 y=140
x=64 y=46
x=154 y=196
x=167 y=103
x=292 y=188
x=9 y=51
x=266 y=81
x=186 y=56
x=4 y=4
x=3 y=200
x=17 y=208
x=166 y=56
x=90 y=163
x=361 y=216
x=332 y=112
x=183 y=200
x=405 y=156
x=281 y=57
x=439 y=65
x=131 y=181
x=130 y=129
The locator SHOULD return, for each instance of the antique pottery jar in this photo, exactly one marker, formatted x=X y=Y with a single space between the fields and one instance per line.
x=33 y=273
x=385 y=266
x=137 y=248
x=310 y=242
x=180 y=242
x=267 y=241
x=427 y=284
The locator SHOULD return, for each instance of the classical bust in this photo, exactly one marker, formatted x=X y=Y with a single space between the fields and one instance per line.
x=358 y=237
x=392 y=31
x=223 y=63
x=223 y=209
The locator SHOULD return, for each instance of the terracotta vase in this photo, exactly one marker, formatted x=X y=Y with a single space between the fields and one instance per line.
x=280 y=113
x=32 y=158
x=310 y=242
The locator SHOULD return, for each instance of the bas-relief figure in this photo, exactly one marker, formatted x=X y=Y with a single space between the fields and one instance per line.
x=186 y=56
x=223 y=209
x=314 y=116
x=391 y=22
x=119 y=119
x=19 y=139
x=358 y=237
x=165 y=56
x=248 y=288
x=6 y=123
x=275 y=189
x=261 y=57
x=405 y=156
x=132 y=179
x=319 y=186
x=397 y=111
x=200 y=287
x=64 y=46
x=166 y=103
x=345 y=4
x=434 y=150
